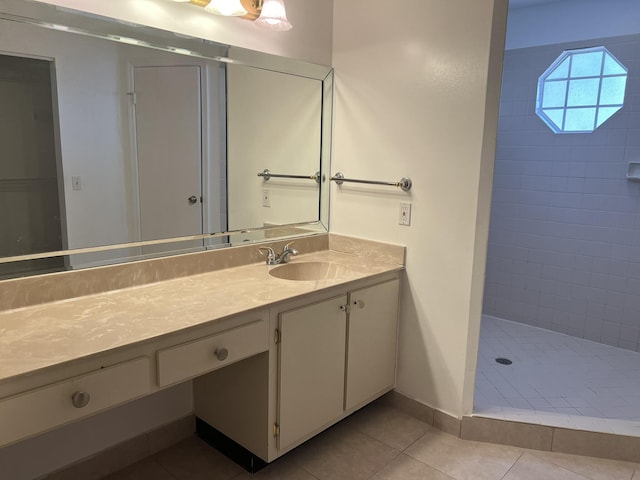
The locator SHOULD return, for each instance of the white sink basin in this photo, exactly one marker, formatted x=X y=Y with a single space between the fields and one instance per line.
x=308 y=271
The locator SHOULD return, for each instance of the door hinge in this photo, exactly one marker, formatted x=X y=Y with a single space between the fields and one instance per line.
x=276 y=430
x=133 y=97
x=276 y=337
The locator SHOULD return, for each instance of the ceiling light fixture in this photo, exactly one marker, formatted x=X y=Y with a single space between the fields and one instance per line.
x=227 y=8
x=270 y=14
x=273 y=16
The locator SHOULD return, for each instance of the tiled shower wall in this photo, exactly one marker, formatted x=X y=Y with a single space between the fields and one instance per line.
x=564 y=246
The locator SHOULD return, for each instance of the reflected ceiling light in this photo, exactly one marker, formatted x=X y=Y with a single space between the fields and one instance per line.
x=228 y=8
x=270 y=14
x=273 y=16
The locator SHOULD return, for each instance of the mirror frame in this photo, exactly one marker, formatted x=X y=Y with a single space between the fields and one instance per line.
x=86 y=24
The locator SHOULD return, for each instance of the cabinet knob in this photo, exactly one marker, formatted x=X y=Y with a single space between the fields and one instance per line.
x=358 y=303
x=221 y=354
x=193 y=199
x=80 y=399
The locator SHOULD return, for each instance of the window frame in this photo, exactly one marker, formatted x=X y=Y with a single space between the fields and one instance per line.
x=544 y=80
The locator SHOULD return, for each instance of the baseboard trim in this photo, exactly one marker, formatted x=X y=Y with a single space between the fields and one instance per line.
x=520 y=434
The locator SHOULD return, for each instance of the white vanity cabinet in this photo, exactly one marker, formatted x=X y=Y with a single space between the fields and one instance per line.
x=334 y=357
x=190 y=359
x=51 y=398
x=330 y=354
x=47 y=407
x=273 y=360
x=311 y=360
x=371 y=348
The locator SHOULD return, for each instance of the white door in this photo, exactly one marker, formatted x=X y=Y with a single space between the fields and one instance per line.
x=169 y=149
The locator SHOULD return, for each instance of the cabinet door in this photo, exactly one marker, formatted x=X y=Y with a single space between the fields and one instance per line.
x=311 y=368
x=371 y=350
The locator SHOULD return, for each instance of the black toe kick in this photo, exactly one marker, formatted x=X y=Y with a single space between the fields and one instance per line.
x=228 y=447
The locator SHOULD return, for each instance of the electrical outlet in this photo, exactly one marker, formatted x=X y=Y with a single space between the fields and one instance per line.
x=405 y=214
x=266 y=198
x=76 y=183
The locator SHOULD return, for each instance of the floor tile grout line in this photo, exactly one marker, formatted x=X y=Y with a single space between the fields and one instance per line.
x=428 y=465
x=587 y=476
x=162 y=466
x=513 y=465
x=400 y=452
x=416 y=440
x=403 y=452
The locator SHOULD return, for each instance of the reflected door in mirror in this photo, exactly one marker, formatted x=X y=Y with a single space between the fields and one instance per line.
x=29 y=200
x=169 y=151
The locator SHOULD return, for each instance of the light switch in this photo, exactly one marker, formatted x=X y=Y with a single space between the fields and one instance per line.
x=76 y=183
x=266 y=198
x=405 y=214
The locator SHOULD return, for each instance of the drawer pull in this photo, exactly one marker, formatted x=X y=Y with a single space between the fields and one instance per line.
x=358 y=303
x=221 y=354
x=80 y=399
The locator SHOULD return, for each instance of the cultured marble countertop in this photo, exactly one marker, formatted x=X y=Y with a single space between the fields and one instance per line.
x=43 y=336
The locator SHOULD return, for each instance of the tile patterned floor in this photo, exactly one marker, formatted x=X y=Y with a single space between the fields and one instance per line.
x=556 y=380
x=381 y=443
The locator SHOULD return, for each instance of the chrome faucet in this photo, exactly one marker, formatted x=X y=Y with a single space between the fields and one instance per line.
x=282 y=257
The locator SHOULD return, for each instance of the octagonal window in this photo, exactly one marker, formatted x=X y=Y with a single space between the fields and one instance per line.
x=581 y=90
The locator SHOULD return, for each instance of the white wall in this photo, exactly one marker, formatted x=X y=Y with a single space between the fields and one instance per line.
x=571 y=20
x=416 y=96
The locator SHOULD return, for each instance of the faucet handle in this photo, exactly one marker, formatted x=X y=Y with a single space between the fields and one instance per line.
x=293 y=250
x=287 y=252
x=269 y=252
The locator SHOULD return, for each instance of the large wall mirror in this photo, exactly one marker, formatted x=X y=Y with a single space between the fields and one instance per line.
x=122 y=142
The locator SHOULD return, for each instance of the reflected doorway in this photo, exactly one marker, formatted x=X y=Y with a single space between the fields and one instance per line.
x=169 y=152
x=30 y=174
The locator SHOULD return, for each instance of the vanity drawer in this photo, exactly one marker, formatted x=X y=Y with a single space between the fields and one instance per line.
x=47 y=407
x=191 y=359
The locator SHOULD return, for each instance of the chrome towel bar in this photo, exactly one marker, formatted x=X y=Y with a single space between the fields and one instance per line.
x=266 y=174
x=404 y=183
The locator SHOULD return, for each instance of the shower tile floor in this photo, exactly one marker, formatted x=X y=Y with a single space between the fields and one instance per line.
x=556 y=380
